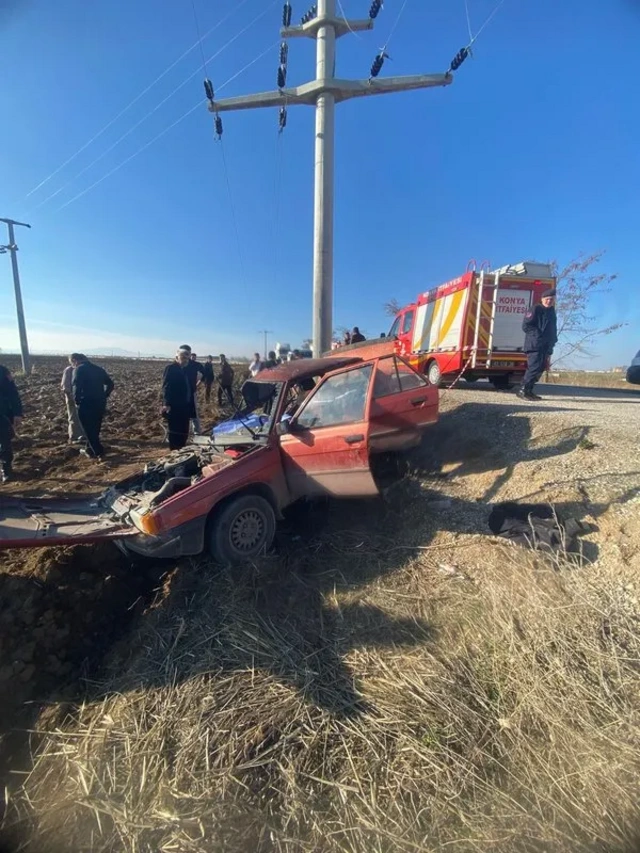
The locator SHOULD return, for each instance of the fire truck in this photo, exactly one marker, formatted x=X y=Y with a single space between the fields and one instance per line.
x=472 y=325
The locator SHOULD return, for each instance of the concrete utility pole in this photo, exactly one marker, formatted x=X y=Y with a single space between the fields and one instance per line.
x=22 y=328
x=323 y=93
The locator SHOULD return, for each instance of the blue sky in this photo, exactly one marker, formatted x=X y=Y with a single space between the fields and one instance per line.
x=531 y=153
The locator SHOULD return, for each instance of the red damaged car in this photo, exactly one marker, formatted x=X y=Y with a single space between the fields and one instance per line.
x=307 y=428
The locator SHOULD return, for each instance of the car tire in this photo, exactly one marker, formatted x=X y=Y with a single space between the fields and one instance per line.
x=434 y=374
x=503 y=383
x=633 y=375
x=242 y=530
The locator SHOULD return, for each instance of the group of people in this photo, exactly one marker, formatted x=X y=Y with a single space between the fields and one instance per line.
x=258 y=365
x=354 y=337
x=86 y=388
x=180 y=382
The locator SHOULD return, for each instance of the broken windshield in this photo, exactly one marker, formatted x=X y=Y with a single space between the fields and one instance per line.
x=255 y=416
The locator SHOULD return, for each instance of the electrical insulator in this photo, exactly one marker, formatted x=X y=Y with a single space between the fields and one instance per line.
x=208 y=89
x=459 y=58
x=375 y=9
x=282 y=118
x=310 y=15
x=217 y=123
x=282 y=77
x=378 y=62
x=284 y=53
x=286 y=15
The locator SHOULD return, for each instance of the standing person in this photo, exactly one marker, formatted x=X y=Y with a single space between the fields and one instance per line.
x=540 y=326
x=256 y=365
x=272 y=361
x=66 y=385
x=356 y=336
x=225 y=380
x=194 y=371
x=208 y=377
x=10 y=416
x=177 y=399
x=346 y=338
x=92 y=387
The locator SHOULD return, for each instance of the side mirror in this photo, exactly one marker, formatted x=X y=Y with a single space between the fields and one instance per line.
x=383 y=334
x=282 y=428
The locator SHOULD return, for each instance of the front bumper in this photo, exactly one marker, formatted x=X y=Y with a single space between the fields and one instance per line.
x=187 y=540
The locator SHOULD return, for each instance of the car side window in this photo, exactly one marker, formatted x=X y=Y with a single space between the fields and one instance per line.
x=407 y=323
x=386 y=381
x=408 y=377
x=341 y=400
x=393 y=376
x=393 y=331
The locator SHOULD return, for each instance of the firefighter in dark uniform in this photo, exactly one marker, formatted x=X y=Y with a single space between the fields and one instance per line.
x=541 y=335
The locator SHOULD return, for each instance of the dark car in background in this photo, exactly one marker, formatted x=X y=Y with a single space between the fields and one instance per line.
x=633 y=371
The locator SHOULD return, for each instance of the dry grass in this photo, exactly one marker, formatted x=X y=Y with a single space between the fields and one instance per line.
x=344 y=702
x=585 y=379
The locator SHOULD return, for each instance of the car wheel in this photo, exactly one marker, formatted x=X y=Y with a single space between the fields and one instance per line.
x=433 y=373
x=503 y=383
x=243 y=529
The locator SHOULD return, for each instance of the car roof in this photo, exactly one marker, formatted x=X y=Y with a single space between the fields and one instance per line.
x=304 y=367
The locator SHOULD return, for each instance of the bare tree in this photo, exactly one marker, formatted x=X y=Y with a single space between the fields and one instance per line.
x=578 y=328
x=392 y=307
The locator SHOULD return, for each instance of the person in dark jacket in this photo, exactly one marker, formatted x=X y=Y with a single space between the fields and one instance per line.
x=92 y=387
x=225 y=381
x=540 y=326
x=208 y=377
x=356 y=336
x=195 y=370
x=272 y=361
x=10 y=415
x=177 y=399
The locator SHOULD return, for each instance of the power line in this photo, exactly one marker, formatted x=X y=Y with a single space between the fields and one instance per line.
x=466 y=8
x=489 y=19
x=162 y=133
x=394 y=27
x=152 y=111
x=234 y=218
x=197 y=23
x=136 y=99
x=344 y=15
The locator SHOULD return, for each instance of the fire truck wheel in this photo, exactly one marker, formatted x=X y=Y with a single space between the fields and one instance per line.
x=433 y=373
x=503 y=383
x=243 y=529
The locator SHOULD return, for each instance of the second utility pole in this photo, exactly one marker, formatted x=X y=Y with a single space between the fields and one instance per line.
x=22 y=327
x=323 y=93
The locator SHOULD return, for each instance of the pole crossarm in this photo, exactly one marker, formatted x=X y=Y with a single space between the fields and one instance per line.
x=14 y=222
x=342 y=90
x=340 y=25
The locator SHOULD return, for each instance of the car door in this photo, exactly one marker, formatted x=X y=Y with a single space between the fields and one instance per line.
x=326 y=450
x=403 y=403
